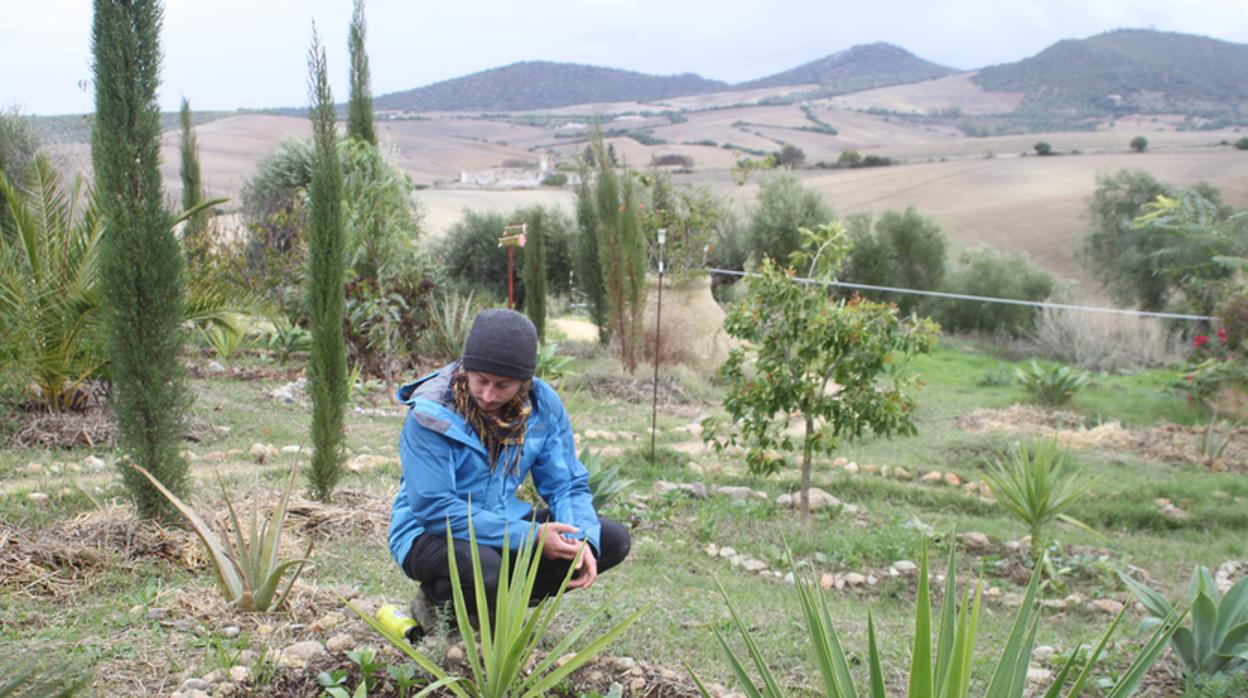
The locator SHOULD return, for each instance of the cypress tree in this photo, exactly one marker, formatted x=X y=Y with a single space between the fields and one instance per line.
x=196 y=228
x=621 y=252
x=535 y=270
x=326 y=271
x=360 y=105
x=588 y=266
x=141 y=268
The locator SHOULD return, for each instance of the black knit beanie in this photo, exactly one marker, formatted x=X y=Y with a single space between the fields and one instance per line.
x=502 y=342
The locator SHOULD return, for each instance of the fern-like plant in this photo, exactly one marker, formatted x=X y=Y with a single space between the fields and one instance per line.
x=249 y=569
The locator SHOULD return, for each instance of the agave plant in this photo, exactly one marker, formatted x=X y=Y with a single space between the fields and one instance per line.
x=942 y=671
x=503 y=661
x=1217 y=642
x=1038 y=484
x=286 y=339
x=1053 y=386
x=550 y=365
x=449 y=324
x=249 y=569
x=50 y=314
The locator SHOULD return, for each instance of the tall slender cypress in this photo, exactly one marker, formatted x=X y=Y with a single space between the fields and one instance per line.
x=326 y=272
x=621 y=252
x=360 y=105
x=196 y=228
x=141 y=267
x=588 y=265
x=535 y=270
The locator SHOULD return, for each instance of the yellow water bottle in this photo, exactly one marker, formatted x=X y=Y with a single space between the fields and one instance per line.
x=399 y=623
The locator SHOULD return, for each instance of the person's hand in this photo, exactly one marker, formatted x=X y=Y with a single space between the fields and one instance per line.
x=554 y=545
x=586 y=569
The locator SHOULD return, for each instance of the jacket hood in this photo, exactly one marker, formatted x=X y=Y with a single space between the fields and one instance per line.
x=435 y=387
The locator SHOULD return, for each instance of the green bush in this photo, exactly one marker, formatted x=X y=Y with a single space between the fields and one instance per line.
x=986 y=272
x=1242 y=143
x=1043 y=148
x=899 y=249
x=555 y=180
x=1139 y=144
x=783 y=207
x=1054 y=386
x=849 y=158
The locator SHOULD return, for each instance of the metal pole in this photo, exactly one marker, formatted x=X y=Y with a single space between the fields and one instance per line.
x=658 y=332
x=511 y=279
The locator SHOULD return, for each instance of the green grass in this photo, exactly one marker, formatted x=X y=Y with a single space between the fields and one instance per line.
x=108 y=622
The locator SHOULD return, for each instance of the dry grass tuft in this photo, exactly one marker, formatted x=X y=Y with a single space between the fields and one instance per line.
x=117 y=528
x=1107 y=343
x=353 y=512
x=47 y=567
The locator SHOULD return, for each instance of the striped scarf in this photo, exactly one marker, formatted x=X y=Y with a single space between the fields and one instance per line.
x=497 y=431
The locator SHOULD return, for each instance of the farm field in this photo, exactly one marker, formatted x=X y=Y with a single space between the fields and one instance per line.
x=82 y=562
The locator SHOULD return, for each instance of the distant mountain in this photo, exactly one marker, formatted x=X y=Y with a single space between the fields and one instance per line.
x=544 y=85
x=857 y=68
x=1129 y=70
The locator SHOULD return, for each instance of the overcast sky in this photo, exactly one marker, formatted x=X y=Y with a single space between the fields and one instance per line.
x=228 y=54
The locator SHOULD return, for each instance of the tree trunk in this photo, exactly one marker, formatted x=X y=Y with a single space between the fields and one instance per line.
x=805 y=493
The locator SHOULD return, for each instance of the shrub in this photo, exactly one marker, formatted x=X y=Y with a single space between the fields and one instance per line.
x=555 y=180
x=1038 y=484
x=784 y=207
x=470 y=256
x=849 y=158
x=789 y=156
x=1139 y=144
x=899 y=249
x=1242 y=143
x=876 y=161
x=1043 y=148
x=672 y=160
x=1108 y=343
x=1052 y=387
x=986 y=272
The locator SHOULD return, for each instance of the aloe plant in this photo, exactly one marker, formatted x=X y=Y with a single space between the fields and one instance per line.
x=1053 y=387
x=1038 y=484
x=942 y=671
x=249 y=569
x=502 y=659
x=605 y=481
x=1217 y=642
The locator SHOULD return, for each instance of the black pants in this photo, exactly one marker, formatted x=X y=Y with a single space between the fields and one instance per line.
x=427 y=563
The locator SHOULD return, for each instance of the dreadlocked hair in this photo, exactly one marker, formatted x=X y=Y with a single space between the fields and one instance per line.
x=498 y=432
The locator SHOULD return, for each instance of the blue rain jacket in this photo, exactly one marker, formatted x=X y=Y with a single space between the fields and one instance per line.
x=445 y=464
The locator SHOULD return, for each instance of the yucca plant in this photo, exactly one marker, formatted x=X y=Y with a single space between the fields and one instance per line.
x=605 y=481
x=1217 y=642
x=1053 y=387
x=943 y=670
x=1038 y=484
x=249 y=569
x=502 y=661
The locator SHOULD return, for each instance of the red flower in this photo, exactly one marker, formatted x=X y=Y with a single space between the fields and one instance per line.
x=1199 y=340
x=1222 y=335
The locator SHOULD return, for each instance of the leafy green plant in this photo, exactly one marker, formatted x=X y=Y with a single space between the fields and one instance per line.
x=225 y=339
x=943 y=670
x=550 y=365
x=249 y=570
x=370 y=668
x=334 y=684
x=404 y=677
x=29 y=676
x=1217 y=641
x=1038 y=484
x=834 y=363
x=286 y=339
x=449 y=324
x=1052 y=386
x=605 y=481
x=502 y=660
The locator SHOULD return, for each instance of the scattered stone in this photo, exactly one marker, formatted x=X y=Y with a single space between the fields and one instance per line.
x=953 y=479
x=94 y=463
x=299 y=654
x=1012 y=545
x=788 y=578
x=839 y=583
x=755 y=565
x=366 y=461
x=886 y=471
x=1012 y=599
x=825 y=580
x=1106 y=606
x=625 y=663
x=872 y=580
x=737 y=560
x=235 y=452
x=32 y=468
x=854 y=579
x=819 y=499
x=291 y=448
x=1055 y=604
x=215 y=367
x=905 y=567
x=870 y=469
x=264 y=630
x=194 y=684
x=240 y=674
x=841 y=462
x=37 y=497
x=329 y=621
x=1038 y=674
x=851 y=468
x=993 y=592
x=230 y=631
x=1043 y=652
x=1174 y=513
x=694 y=489
x=934 y=477
x=455 y=654
x=712 y=549
x=902 y=474
x=976 y=540
x=339 y=643
x=636 y=686
x=157 y=613
x=727 y=552
x=740 y=493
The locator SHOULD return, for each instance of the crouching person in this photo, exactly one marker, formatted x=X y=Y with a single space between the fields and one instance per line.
x=474 y=430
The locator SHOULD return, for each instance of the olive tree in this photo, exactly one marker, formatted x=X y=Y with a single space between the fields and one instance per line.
x=835 y=364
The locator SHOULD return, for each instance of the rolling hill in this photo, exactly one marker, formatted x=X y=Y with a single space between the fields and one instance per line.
x=1130 y=70
x=544 y=85
x=861 y=67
